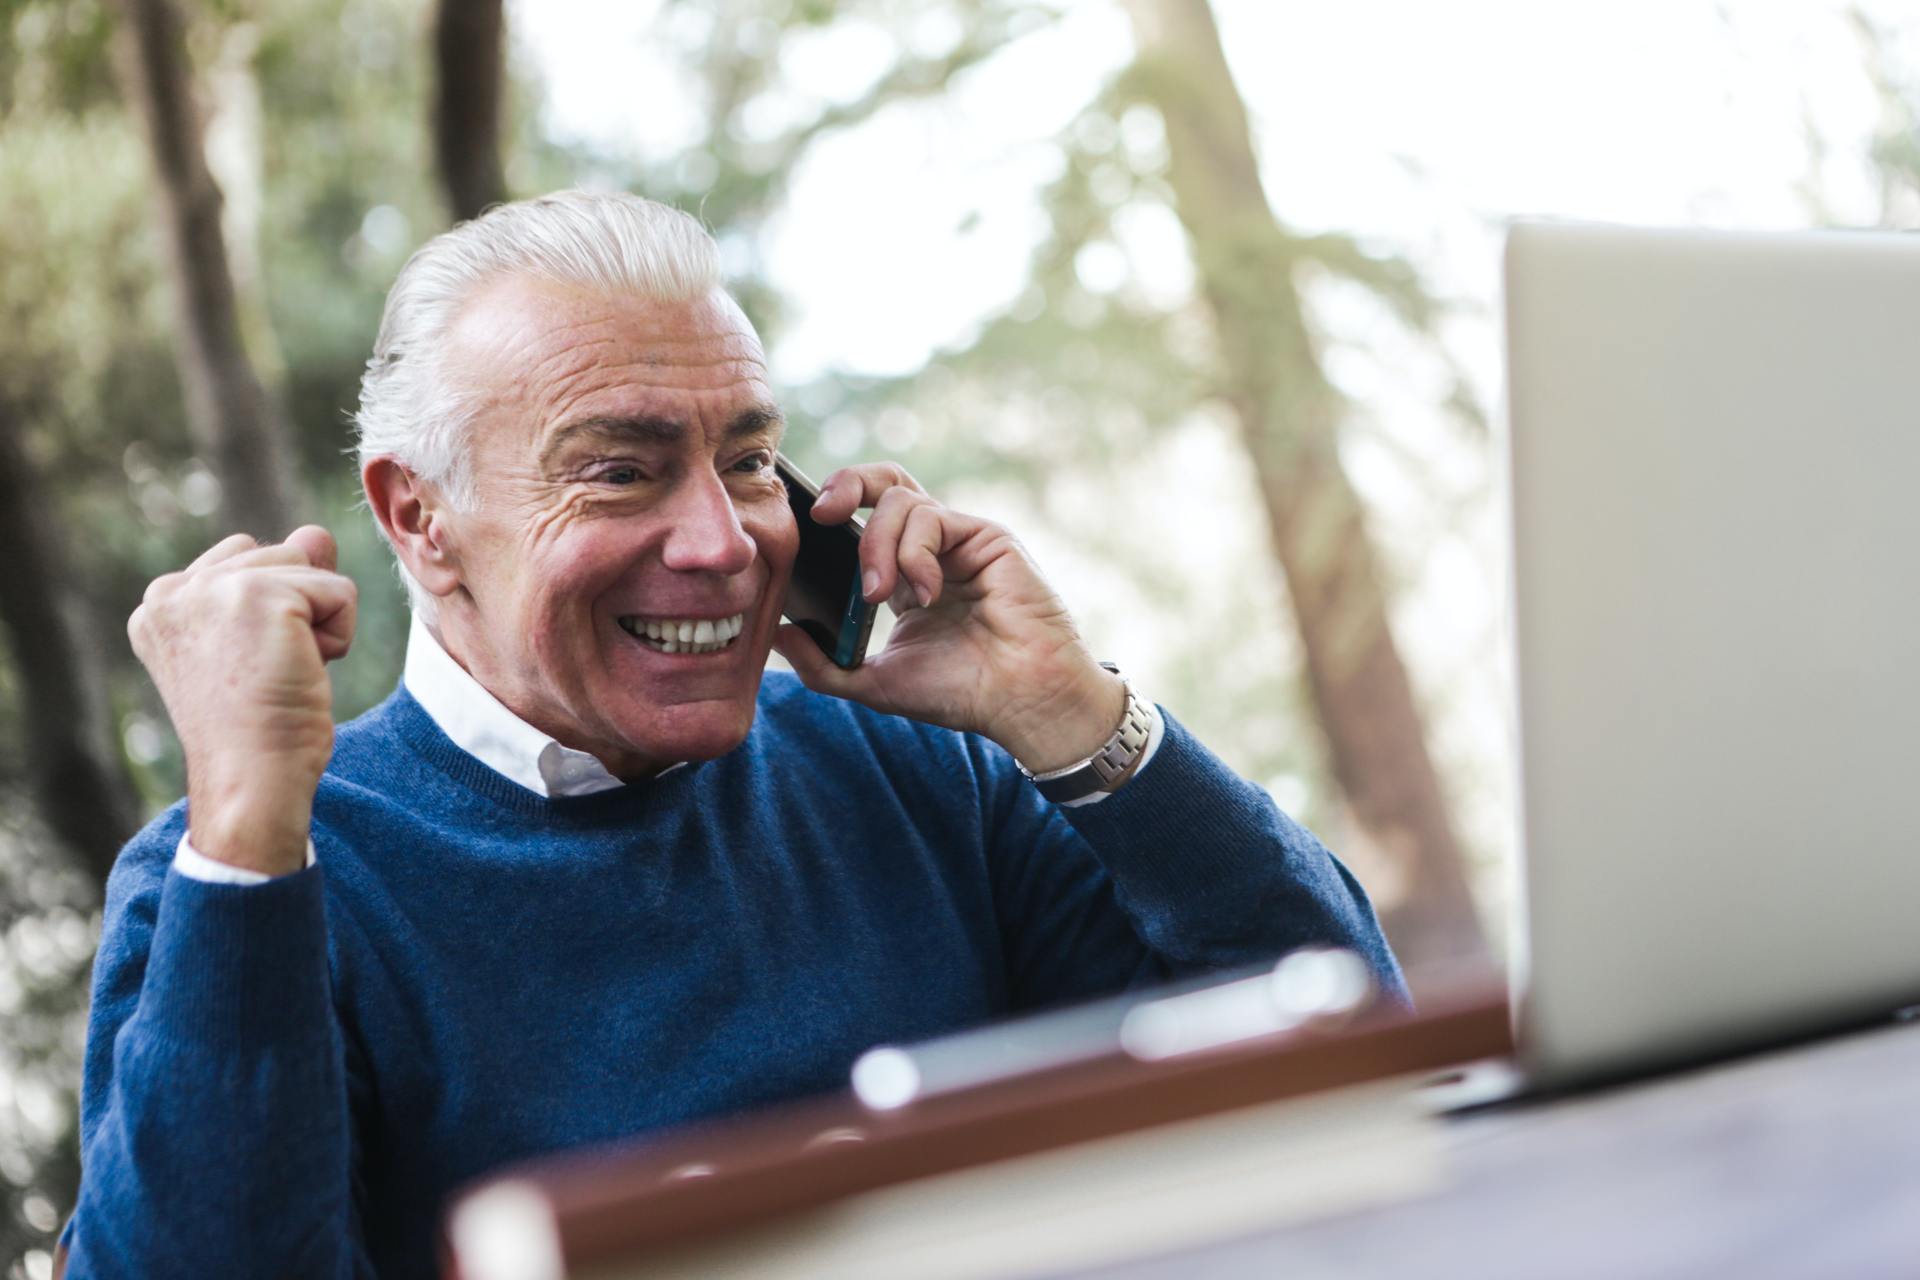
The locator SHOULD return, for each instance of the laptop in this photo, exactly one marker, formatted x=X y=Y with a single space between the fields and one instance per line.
x=1716 y=526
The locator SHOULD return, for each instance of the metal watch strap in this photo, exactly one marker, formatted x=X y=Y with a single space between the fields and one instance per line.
x=1102 y=770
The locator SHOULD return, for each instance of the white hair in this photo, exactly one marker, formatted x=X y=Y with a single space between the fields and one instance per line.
x=611 y=241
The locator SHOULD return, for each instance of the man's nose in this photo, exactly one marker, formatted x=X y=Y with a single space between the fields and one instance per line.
x=706 y=535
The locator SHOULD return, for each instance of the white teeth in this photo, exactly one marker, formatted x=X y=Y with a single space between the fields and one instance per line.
x=695 y=635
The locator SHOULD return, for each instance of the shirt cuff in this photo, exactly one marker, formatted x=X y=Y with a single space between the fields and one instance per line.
x=1154 y=735
x=195 y=865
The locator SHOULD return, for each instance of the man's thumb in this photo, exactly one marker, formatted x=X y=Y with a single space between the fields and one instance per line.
x=317 y=544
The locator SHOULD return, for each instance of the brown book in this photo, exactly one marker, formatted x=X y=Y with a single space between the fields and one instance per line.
x=665 y=1193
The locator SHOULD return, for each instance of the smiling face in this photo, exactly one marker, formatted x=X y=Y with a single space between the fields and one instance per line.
x=622 y=458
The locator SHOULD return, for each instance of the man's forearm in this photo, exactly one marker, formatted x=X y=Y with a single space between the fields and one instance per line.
x=216 y=1137
x=1214 y=875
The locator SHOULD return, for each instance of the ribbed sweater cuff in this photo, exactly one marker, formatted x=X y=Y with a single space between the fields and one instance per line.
x=234 y=966
x=1181 y=827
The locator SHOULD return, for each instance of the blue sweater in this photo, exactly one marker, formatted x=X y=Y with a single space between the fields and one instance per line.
x=288 y=1079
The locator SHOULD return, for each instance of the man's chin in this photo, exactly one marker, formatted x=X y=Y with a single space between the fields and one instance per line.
x=700 y=708
x=702 y=731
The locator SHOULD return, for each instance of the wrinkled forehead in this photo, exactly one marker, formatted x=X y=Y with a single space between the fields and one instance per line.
x=535 y=355
x=520 y=325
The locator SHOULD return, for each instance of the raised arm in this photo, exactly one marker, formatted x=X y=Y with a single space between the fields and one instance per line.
x=214 y=1120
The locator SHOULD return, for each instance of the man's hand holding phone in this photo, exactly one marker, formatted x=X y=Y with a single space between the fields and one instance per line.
x=983 y=644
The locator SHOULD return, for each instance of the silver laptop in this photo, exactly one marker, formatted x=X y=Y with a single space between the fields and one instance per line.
x=1716 y=522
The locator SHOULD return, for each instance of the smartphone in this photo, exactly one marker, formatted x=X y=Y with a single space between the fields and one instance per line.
x=823 y=598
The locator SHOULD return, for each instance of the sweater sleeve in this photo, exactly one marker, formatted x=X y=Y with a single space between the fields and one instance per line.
x=1187 y=869
x=215 y=1136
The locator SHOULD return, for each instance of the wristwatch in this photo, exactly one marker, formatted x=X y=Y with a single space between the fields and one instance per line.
x=1103 y=770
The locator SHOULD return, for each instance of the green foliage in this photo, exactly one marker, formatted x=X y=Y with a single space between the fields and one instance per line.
x=1895 y=148
x=87 y=367
x=53 y=55
x=49 y=924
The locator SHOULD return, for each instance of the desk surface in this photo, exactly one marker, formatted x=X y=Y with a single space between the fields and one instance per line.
x=1799 y=1162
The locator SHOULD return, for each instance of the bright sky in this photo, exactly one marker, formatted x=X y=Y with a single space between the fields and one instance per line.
x=1402 y=119
x=1418 y=126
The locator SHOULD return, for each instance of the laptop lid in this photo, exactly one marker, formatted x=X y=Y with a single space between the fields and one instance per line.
x=1716 y=522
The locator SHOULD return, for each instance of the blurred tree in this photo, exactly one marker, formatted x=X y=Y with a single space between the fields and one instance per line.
x=467 y=42
x=117 y=484
x=81 y=361
x=1896 y=137
x=77 y=777
x=1289 y=416
x=239 y=426
x=757 y=127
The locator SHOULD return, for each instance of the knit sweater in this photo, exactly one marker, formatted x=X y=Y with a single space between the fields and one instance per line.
x=288 y=1079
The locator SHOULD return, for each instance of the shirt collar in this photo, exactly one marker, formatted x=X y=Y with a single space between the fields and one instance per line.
x=480 y=725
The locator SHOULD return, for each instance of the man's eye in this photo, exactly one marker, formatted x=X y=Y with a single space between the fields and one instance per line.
x=619 y=476
x=754 y=462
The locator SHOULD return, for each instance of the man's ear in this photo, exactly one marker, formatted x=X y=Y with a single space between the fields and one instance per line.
x=415 y=520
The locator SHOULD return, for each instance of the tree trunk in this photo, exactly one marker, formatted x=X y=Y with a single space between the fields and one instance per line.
x=1289 y=414
x=241 y=428
x=77 y=780
x=467 y=40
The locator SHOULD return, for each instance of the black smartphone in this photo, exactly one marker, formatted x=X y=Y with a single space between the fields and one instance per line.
x=823 y=599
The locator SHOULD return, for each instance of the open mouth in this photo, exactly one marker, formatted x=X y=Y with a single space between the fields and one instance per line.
x=685 y=635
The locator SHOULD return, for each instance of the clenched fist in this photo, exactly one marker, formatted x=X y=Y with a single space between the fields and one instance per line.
x=238 y=643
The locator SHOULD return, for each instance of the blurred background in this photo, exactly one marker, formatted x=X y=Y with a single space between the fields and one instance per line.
x=1200 y=299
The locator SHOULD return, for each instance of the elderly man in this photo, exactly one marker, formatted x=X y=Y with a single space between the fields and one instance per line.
x=573 y=882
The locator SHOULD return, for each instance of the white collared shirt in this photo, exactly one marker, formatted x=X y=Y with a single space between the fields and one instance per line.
x=480 y=725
